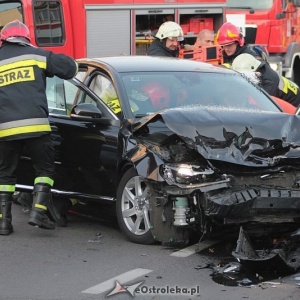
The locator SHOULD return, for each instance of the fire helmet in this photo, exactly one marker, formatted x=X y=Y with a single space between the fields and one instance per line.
x=170 y=30
x=15 y=29
x=228 y=34
x=158 y=94
x=245 y=62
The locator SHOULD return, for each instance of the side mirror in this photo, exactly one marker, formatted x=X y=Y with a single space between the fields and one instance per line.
x=86 y=111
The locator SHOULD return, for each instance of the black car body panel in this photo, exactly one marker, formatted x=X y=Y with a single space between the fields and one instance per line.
x=250 y=138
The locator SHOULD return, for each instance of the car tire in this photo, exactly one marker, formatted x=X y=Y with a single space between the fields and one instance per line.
x=132 y=207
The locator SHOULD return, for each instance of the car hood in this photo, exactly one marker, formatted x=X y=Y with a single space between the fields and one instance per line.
x=244 y=137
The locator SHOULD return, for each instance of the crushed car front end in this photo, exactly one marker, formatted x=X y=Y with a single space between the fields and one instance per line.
x=211 y=173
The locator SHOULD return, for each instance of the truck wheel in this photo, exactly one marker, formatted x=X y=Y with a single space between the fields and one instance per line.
x=133 y=208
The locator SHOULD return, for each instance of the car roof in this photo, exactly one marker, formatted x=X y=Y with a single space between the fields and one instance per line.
x=140 y=63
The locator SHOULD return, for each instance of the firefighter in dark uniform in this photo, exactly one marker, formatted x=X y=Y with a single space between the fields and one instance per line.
x=167 y=40
x=24 y=119
x=233 y=43
x=274 y=84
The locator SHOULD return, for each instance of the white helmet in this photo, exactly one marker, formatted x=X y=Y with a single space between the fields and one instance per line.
x=245 y=62
x=170 y=30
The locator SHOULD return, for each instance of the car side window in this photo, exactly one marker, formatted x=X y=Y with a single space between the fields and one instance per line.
x=56 y=96
x=104 y=89
x=61 y=95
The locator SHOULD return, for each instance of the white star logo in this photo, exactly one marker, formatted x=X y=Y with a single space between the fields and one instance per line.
x=119 y=288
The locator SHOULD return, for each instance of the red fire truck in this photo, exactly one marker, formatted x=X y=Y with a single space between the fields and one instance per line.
x=90 y=28
x=274 y=24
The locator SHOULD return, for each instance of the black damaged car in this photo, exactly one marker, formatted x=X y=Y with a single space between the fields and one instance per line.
x=181 y=148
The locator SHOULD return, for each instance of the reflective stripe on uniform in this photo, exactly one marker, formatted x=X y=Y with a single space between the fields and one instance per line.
x=114 y=105
x=7 y=188
x=23 y=61
x=25 y=122
x=288 y=86
x=24 y=126
x=46 y=180
x=22 y=130
x=20 y=68
x=40 y=206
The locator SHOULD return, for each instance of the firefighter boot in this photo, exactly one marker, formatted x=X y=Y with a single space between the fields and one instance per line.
x=5 y=214
x=41 y=200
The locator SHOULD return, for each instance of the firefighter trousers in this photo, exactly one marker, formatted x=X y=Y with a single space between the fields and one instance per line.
x=39 y=149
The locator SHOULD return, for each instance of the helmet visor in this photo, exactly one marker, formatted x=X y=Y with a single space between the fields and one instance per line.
x=177 y=38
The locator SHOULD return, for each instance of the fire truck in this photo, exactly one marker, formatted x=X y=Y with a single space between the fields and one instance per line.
x=93 y=28
x=274 y=24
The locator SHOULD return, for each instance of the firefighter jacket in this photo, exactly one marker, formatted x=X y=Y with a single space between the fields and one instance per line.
x=157 y=48
x=277 y=85
x=240 y=50
x=23 y=102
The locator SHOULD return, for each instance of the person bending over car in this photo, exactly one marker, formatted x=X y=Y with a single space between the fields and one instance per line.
x=24 y=119
x=233 y=43
x=167 y=40
x=274 y=84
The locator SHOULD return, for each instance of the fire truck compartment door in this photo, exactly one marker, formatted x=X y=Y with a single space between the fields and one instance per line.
x=108 y=32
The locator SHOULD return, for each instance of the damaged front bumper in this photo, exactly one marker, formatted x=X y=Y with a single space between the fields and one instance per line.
x=228 y=200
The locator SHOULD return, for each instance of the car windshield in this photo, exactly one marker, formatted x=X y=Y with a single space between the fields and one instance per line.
x=151 y=92
x=250 y=4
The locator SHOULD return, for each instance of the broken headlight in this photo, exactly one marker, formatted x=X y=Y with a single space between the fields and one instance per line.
x=184 y=173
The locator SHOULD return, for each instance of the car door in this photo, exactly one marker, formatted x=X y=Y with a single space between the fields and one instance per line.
x=85 y=148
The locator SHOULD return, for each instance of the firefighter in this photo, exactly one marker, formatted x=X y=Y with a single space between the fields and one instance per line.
x=158 y=93
x=167 y=40
x=274 y=84
x=24 y=119
x=109 y=96
x=232 y=41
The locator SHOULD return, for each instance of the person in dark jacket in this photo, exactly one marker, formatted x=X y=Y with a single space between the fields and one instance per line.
x=167 y=40
x=24 y=119
x=233 y=43
x=274 y=84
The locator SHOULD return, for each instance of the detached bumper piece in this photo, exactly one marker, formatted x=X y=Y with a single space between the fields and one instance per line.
x=279 y=262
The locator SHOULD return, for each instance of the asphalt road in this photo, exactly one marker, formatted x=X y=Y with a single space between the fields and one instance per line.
x=89 y=258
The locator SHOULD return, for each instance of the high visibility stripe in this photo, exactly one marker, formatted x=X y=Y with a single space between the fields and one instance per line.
x=289 y=86
x=7 y=188
x=23 y=61
x=26 y=129
x=46 y=180
x=1 y=216
x=25 y=122
x=40 y=206
x=23 y=57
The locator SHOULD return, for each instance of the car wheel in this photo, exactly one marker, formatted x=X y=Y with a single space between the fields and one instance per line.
x=133 y=208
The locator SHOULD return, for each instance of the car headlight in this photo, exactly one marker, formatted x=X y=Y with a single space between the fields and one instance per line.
x=184 y=173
